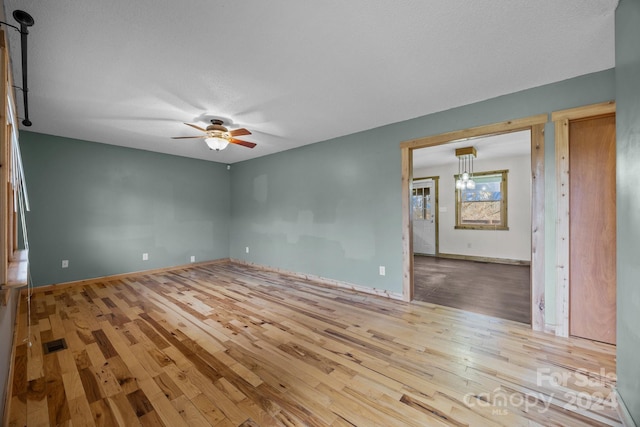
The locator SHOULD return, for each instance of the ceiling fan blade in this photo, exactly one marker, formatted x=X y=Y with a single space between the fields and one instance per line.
x=188 y=137
x=196 y=127
x=239 y=132
x=243 y=143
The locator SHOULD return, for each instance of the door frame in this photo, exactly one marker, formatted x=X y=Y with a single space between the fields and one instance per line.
x=561 y=121
x=536 y=125
x=436 y=212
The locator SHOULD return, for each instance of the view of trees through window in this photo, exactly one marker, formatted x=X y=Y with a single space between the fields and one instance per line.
x=421 y=203
x=484 y=206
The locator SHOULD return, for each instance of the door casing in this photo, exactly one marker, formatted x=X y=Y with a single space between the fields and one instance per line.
x=536 y=125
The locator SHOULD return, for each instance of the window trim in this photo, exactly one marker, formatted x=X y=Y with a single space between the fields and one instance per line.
x=13 y=262
x=504 y=215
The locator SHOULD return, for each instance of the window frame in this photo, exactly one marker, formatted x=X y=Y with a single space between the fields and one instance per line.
x=13 y=261
x=503 y=204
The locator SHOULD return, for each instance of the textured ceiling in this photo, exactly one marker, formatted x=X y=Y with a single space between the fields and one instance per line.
x=487 y=147
x=131 y=72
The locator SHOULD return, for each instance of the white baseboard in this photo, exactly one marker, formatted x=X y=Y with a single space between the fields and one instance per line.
x=326 y=281
x=493 y=260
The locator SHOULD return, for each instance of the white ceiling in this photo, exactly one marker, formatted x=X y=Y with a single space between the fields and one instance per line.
x=487 y=147
x=293 y=72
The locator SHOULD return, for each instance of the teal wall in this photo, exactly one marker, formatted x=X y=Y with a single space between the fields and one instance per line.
x=329 y=209
x=628 y=202
x=333 y=209
x=101 y=206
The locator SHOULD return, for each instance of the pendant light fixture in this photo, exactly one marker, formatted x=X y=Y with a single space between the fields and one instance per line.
x=465 y=168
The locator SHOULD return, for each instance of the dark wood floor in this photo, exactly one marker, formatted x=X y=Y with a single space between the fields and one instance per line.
x=497 y=290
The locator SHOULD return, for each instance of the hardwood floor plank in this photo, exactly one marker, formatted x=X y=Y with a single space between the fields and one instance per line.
x=92 y=390
x=106 y=380
x=168 y=387
x=228 y=407
x=20 y=379
x=353 y=412
x=102 y=415
x=104 y=344
x=138 y=400
x=73 y=385
x=80 y=411
x=207 y=408
x=56 y=392
x=34 y=355
x=229 y=345
x=38 y=412
x=18 y=415
x=96 y=357
x=122 y=374
x=56 y=325
x=166 y=412
x=151 y=419
x=189 y=412
x=437 y=414
x=122 y=410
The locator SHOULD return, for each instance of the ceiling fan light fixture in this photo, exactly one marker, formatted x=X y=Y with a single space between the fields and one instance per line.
x=217 y=137
x=216 y=143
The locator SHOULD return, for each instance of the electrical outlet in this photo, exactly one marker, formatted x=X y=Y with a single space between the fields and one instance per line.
x=65 y=263
x=382 y=270
x=193 y=258
x=145 y=256
x=246 y=249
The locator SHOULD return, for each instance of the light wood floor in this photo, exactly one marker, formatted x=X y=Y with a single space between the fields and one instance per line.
x=498 y=290
x=231 y=345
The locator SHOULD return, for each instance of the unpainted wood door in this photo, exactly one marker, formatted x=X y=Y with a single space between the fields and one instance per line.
x=592 y=228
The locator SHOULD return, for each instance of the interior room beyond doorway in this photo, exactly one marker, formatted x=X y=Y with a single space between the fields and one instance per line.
x=481 y=265
x=498 y=290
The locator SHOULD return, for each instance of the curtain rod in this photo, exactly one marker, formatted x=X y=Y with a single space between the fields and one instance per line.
x=25 y=20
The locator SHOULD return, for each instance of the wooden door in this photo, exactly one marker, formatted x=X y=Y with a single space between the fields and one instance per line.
x=592 y=228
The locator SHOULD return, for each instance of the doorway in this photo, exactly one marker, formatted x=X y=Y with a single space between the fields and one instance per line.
x=535 y=125
x=482 y=263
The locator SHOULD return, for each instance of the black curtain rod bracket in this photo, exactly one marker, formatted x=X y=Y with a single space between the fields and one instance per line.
x=25 y=20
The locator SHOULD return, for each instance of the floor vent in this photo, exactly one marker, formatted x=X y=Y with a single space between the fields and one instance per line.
x=53 y=346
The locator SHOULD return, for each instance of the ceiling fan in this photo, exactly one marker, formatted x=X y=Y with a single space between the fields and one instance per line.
x=218 y=137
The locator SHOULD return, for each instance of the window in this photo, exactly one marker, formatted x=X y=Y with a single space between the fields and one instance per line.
x=13 y=262
x=485 y=206
x=421 y=203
